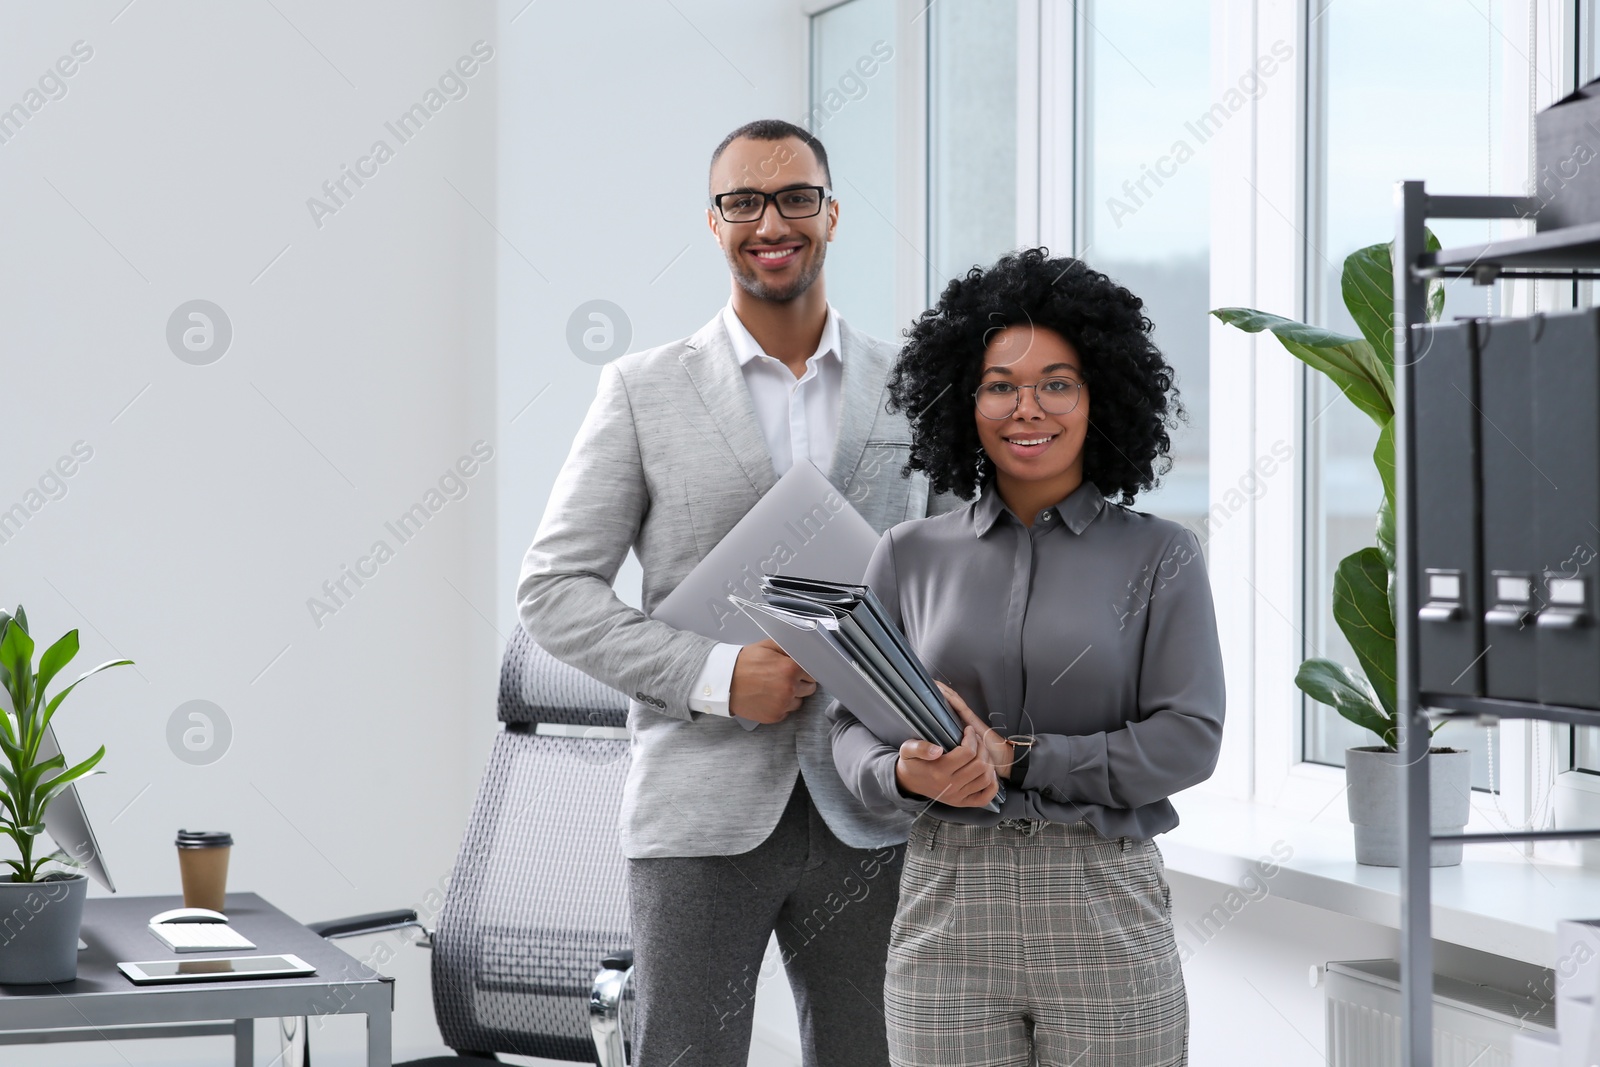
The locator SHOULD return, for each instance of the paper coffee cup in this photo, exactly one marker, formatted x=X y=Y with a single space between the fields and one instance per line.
x=203 y=867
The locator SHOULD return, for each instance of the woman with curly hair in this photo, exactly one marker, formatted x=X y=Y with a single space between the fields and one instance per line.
x=1076 y=639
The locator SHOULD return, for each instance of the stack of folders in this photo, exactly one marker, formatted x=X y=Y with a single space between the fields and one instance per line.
x=841 y=636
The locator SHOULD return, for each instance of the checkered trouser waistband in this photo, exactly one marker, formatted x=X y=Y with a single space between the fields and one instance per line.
x=1007 y=831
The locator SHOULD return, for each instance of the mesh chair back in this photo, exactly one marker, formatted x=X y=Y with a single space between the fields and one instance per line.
x=536 y=687
x=538 y=896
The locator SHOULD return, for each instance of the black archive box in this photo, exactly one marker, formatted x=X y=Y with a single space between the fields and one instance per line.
x=1447 y=586
x=1511 y=567
x=1567 y=146
x=1566 y=452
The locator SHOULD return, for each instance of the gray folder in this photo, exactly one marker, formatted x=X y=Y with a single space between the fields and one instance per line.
x=815 y=644
x=1566 y=441
x=1447 y=585
x=1511 y=565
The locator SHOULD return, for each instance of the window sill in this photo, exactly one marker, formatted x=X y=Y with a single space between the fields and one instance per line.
x=1497 y=901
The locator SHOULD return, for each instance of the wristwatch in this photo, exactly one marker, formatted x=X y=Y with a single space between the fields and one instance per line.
x=1021 y=749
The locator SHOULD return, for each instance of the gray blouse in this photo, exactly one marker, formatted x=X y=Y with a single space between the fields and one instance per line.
x=1093 y=629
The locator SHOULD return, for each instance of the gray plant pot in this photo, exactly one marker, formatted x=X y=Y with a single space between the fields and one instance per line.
x=1372 y=776
x=39 y=923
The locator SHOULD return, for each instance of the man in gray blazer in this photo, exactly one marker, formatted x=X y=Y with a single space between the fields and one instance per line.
x=734 y=834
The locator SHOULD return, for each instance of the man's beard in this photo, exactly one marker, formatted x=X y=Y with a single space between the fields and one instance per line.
x=750 y=280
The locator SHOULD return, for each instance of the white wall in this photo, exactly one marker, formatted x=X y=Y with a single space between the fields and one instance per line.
x=365 y=359
x=608 y=121
x=219 y=498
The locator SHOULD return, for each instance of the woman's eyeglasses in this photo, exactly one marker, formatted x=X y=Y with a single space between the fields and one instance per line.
x=1055 y=396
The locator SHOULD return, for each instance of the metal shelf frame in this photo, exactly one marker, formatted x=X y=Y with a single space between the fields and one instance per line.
x=1559 y=254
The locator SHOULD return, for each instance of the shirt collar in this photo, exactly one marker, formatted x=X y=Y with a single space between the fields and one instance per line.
x=746 y=347
x=1077 y=510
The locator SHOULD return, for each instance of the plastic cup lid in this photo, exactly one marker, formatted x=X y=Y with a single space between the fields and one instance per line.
x=204 y=838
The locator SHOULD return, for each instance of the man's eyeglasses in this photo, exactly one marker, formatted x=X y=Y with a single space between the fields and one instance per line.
x=748 y=205
x=1055 y=396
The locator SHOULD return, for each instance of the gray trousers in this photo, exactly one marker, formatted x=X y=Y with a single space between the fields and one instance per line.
x=701 y=927
x=1038 y=943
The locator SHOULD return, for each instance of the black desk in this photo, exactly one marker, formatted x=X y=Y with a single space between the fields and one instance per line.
x=102 y=1004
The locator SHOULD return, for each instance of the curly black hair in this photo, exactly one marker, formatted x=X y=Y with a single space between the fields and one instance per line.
x=1134 y=399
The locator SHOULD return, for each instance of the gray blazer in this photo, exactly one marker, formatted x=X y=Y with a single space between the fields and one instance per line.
x=667 y=461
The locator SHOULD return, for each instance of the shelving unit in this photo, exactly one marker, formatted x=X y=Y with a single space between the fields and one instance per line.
x=1573 y=252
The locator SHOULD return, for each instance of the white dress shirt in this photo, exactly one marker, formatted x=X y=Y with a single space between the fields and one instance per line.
x=798 y=417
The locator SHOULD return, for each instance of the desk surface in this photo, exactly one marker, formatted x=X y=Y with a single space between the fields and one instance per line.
x=116 y=930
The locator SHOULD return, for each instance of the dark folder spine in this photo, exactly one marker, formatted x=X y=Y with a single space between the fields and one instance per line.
x=1447 y=585
x=1510 y=550
x=1566 y=399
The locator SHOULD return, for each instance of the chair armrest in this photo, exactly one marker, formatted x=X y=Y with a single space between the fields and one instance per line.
x=372 y=923
x=609 y=1024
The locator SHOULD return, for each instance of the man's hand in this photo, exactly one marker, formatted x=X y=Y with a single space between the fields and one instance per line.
x=961 y=777
x=767 y=684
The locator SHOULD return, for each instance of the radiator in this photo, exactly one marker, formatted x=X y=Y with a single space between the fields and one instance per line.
x=1473 y=1021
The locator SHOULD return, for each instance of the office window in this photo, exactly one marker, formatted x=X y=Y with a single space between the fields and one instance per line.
x=1146 y=208
x=852 y=112
x=972 y=136
x=1447 y=61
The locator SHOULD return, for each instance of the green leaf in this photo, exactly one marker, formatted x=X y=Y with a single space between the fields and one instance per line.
x=56 y=788
x=1346 y=692
x=1385 y=532
x=1367 y=284
x=1362 y=609
x=51 y=789
x=16 y=654
x=1349 y=362
x=55 y=701
x=1383 y=459
x=28 y=780
x=56 y=657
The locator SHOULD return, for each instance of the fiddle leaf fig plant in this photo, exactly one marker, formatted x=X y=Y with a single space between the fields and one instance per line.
x=1363 y=584
x=27 y=783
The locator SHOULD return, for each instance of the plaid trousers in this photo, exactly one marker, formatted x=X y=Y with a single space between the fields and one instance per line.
x=1033 y=942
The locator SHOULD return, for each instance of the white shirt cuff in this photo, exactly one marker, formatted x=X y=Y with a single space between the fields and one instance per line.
x=710 y=693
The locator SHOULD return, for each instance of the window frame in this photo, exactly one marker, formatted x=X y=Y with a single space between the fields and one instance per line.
x=1264 y=201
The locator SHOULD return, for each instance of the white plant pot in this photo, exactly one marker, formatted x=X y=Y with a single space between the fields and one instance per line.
x=39 y=924
x=1372 y=778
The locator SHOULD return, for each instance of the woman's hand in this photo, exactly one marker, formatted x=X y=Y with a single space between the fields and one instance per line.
x=992 y=747
x=961 y=777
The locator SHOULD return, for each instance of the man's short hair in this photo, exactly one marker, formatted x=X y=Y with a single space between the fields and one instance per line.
x=775 y=130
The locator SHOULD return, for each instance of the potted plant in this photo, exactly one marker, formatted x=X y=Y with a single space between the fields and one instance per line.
x=40 y=912
x=1363 y=585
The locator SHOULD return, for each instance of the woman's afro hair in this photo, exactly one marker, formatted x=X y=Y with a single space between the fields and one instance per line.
x=1133 y=399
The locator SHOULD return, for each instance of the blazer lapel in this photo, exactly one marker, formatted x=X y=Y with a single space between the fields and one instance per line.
x=862 y=394
x=717 y=377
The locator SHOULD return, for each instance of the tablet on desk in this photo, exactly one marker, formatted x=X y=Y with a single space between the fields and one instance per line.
x=212 y=970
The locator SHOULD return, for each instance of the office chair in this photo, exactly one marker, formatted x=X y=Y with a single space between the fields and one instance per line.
x=531 y=954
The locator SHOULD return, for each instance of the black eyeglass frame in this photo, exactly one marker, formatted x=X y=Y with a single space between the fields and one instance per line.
x=771 y=200
x=1017 y=402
